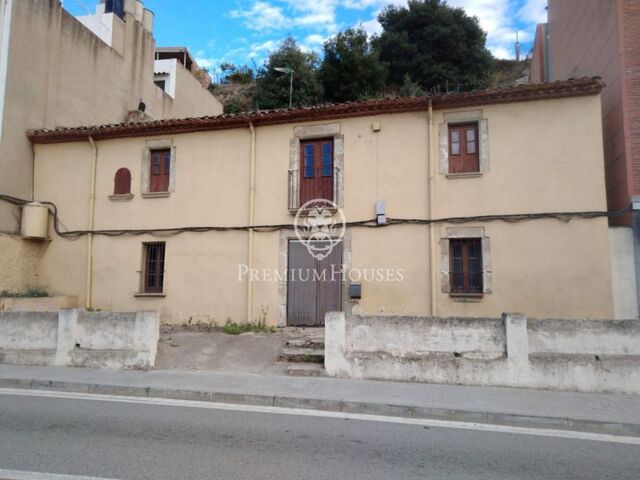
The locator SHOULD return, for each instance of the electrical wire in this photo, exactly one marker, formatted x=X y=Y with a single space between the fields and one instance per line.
x=371 y=223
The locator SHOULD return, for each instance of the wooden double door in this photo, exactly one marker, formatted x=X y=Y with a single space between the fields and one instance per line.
x=314 y=286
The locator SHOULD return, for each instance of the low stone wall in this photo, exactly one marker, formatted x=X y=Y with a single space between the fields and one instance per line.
x=589 y=355
x=79 y=338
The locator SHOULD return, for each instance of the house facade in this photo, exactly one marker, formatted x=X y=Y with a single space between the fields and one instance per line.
x=57 y=70
x=602 y=38
x=458 y=205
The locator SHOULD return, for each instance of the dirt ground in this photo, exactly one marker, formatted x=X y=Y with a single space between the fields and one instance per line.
x=191 y=348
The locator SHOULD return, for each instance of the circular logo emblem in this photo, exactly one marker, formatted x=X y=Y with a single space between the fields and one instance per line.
x=320 y=226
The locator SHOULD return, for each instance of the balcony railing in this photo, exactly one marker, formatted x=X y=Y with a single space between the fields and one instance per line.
x=318 y=183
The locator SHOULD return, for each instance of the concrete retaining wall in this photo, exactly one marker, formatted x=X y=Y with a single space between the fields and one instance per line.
x=589 y=356
x=79 y=338
x=38 y=304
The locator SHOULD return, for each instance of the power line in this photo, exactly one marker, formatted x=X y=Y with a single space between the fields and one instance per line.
x=372 y=223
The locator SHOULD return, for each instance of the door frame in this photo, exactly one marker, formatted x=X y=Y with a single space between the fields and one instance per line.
x=283 y=265
x=326 y=294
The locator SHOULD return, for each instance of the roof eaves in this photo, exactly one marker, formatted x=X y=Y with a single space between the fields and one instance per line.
x=570 y=88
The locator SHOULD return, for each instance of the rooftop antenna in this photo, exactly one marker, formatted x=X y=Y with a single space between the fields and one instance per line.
x=517 y=48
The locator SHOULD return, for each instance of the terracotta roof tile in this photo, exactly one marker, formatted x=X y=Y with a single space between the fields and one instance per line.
x=568 y=88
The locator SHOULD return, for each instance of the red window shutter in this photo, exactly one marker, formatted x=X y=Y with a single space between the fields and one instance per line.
x=160 y=170
x=122 y=182
x=464 y=148
x=316 y=170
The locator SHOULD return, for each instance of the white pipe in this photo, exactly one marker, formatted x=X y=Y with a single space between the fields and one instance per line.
x=92 y=207
x=252 y=209
x=432 y=227
x=5 y=30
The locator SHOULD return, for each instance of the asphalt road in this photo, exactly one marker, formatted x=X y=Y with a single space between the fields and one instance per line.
x=130 y=441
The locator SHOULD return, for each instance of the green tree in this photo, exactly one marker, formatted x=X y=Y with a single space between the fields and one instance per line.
x=351 y=68
x=242 y=74
x=438 y=46
x=272 y=86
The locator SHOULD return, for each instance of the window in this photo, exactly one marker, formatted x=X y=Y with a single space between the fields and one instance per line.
x=465 y=256
x=160 y=170
x=463 y=148
x=153 y=273
x=161 y=84
x=122 y=182
x=317 y=170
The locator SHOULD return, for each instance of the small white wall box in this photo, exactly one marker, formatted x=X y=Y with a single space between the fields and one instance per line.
x=355 y=291
x=35 y=221
x=381 y=217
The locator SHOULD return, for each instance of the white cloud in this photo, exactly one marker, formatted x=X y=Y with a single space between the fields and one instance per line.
x=372 y=27
x=262 y=16
x=206 y=62
x=319 y=14
x=498 y=19
x=314 y=39
x=261 y=48
x=533 y=11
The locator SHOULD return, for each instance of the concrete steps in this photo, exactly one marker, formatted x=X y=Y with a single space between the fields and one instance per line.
x=306 y=370
x=304 y=352
x=302 y=355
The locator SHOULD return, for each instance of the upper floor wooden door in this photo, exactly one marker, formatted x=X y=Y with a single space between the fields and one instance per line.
x=316 y=170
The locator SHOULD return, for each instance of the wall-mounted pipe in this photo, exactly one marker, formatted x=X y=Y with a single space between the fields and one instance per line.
x=252 y=210
x=92 y=208
x=432 y=227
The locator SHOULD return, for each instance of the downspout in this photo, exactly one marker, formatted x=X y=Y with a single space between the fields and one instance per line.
x=432 y=227
x=252 y=208
x=92 y=207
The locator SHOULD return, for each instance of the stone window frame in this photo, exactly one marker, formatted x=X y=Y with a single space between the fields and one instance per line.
x=452 y=118
x=445 y=265
x=283 y=265
x=311 y=132
x=151 y=145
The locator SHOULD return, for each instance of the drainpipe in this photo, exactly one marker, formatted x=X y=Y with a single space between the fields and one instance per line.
x=432 y=227
x=252 y=209
x=92 y=207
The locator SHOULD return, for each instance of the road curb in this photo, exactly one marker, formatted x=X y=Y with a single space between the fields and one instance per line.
x=334 y=405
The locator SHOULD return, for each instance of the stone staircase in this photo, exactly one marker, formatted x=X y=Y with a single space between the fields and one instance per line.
x=304 y=352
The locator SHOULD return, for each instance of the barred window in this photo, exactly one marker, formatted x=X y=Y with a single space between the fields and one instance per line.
x=465 y=255
x=153 y=272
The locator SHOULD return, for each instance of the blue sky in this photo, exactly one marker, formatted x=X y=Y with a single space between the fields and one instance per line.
x=244 y=31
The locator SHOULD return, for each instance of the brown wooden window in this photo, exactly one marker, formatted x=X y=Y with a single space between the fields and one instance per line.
x=160 y=170
x=122 y=182
x=464 y=149
x=465 y=255
x=153 y=273
x=316 y=170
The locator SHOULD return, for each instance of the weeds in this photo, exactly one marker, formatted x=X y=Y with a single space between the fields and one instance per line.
x=31 y=293
x=233 y=328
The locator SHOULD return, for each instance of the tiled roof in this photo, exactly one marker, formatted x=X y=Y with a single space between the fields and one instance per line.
x=568 y=88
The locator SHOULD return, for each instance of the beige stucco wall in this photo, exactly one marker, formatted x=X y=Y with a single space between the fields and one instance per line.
x=544 y=156
x=61 y=74
x=18 y=263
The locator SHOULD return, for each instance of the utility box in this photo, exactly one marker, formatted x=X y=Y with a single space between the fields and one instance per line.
x=35 y=221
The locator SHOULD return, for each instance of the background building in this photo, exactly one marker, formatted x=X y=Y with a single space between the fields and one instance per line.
x=56 y=71
x=602 y=38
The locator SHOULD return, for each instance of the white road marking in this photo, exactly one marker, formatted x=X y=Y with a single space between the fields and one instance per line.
x=483 y=427
x=20 y=475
